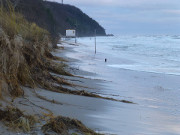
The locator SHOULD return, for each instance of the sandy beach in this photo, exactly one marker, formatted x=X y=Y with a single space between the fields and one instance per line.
x=107 y=67
x=155 y=97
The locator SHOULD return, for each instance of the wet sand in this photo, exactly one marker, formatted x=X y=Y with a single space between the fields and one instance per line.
x=156 y=96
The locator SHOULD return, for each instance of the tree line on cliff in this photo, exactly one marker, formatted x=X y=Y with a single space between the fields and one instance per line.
x=56 y=17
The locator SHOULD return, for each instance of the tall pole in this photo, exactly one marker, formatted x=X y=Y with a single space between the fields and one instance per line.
x=62 y=1
x=95 y=39
x=76 y=32
x=75 y=37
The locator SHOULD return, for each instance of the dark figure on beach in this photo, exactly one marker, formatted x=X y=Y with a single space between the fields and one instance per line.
x=105 y=60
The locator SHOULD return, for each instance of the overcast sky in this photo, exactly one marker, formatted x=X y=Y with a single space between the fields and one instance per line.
x=133 y=16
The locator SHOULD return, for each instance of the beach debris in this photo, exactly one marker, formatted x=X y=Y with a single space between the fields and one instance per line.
x=60 y=89
x=48 y=100
x=62 y=125
x=16 y=120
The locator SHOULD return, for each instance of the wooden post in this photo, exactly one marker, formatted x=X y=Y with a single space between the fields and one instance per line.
x=75 y=39
x=95 y=40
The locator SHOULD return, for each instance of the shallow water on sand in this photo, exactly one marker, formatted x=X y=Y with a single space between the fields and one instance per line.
x=141 y=69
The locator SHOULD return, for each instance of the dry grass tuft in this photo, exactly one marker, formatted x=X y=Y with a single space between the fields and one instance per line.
x=14 y=24
x=62 y=125
x=58 y=68
x=16 y=120
x=24 y=53
x=25 y=57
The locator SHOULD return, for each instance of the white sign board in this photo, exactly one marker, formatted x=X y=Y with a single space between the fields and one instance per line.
x=70 y=33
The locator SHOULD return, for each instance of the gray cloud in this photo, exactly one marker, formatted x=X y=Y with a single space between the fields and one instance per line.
x=133 y=16
x=147 y=4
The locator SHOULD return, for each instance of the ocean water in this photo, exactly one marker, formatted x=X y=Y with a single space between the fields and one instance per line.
x=141 y=69
x=159 y=54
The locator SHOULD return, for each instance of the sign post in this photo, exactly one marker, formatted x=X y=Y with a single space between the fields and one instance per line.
x=70 y=33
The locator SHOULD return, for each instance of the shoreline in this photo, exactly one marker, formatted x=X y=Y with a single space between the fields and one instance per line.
x=97 y=113
x=39 y=101
x=156 y=95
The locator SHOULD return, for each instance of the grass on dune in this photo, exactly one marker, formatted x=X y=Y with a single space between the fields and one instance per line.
x=14 y=23
x=25 y=57
x=22 y=47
